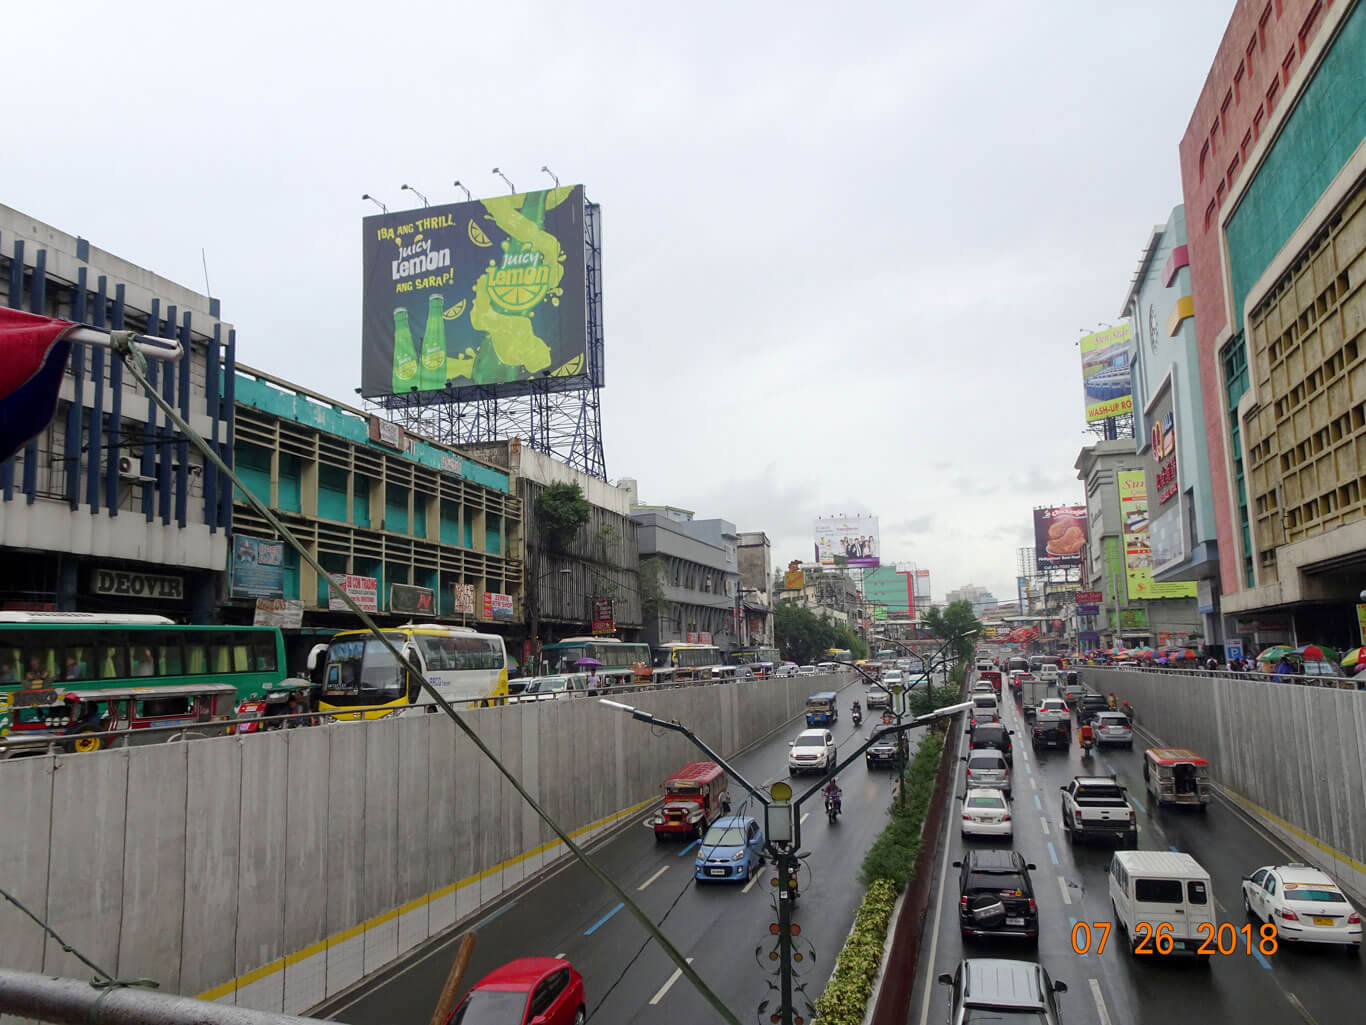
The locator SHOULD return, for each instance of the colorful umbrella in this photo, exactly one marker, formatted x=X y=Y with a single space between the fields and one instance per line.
x=1354 y=657
x=1275 y=653
x=1315 y=653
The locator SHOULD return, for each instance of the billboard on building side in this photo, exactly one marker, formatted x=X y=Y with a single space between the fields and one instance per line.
x=1105 y=358
x=851 y=540
x=258 y=568
x=1138 y=555
x=1059 y=535
x=471 y=297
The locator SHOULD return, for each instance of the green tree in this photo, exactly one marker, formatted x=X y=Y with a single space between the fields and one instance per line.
x=801 y=634
x=652 y=572
x=561 y=512
x=846 y=638
x=960 y=624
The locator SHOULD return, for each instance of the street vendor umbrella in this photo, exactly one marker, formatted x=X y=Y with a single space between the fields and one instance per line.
x=1354 y=657
x=1315 y=653
x=1275 y=653
x=587 y=662
x=1163 y=660
x=33 y=354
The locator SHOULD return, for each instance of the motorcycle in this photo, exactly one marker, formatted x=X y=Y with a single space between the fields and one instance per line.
x=858 y=718
x=1086 y=746
x=832 y=807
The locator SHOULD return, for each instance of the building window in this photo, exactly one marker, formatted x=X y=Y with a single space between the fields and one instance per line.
x=1246 y=145
x=1261 y=28
x=1257 y=124
x=1271 y=95
x=1238 y=82
x=1311 y=23
x=1288 y=65
x=1233 y=169
x=1219 y=194
x=1214 y=136
x=1223 y=109
x=1251 y=51
x=1210 y=212
x=1204 y=156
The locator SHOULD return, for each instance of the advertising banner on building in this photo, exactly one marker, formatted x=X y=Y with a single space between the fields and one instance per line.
x=888 y=589
x=364 y=591
x=1138 y=556
x=1168 y=537
x=1089 y=597
x=258 y=568
x=475 y=295
x=1059 y=535
x=604 y=616
x=412 y=601
x=462 y=599
x=1105 y=358
x=793 y=580
x=286 y=613
x=852 y=540
x=498 y=606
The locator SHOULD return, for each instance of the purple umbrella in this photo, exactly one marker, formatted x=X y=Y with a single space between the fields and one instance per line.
x=587 y=662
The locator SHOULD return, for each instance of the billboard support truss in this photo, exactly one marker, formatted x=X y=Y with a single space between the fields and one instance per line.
x=560 y=417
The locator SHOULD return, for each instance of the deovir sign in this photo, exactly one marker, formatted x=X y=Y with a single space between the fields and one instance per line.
x=137 y=585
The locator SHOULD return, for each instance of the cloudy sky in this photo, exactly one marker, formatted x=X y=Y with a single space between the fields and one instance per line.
x=848 y=247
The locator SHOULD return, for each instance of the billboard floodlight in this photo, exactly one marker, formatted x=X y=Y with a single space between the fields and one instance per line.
x=375 y=201
x=457 y=183
x=553 y=176
x=415 y=193
x=511 y=188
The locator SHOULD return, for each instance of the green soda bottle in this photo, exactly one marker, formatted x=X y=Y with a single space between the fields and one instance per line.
x=405 y=356
x=433 y=374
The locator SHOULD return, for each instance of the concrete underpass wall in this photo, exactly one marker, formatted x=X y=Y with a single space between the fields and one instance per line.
x=1294 y=757
x=274 y=870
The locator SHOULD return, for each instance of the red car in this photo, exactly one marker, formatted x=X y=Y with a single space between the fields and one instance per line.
x=528 y=991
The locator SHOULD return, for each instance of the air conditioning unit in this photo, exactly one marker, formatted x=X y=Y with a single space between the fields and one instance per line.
x=129 y=470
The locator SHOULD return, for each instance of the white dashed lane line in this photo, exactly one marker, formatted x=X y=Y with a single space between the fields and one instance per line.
x=1101 y=1011
x=1062 y=885
x=662 y=870
x=669 y=982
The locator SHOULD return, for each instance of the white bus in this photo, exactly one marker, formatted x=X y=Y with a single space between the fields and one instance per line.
x=362 y=680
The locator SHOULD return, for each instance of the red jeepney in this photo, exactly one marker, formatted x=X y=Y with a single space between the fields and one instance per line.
x=694 y=797
x=993 y=677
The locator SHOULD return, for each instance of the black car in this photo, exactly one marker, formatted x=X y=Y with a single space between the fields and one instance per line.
x=1090 y=706
x=992 y=734
x=886 y=750
x=996 y=896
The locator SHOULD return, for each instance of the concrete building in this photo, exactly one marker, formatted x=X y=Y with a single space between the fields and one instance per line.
x=598 y=570
x=755 y=555
x=829 y=592
x=1272 y=173
x=694 y=576
x=398 y=518
x=1136 y=610
x=978 y=597
x=106 y=505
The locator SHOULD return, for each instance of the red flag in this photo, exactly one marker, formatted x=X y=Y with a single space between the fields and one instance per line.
x=33 y=354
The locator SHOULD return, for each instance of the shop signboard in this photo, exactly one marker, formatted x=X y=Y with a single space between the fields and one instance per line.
x=258 y=568
x=1090 y=597
x=498 y=606
x=463 y=603
x=285 y=613
x=126 y=583
x=411 y=600
x=1088 y=610
x=1138 y=556
x=1133 y=619
x=604 y=616
x=364 y=591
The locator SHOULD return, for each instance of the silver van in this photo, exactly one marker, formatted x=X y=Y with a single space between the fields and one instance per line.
x=987 y=767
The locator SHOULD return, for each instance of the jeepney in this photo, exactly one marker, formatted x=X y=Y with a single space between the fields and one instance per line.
x=694 y=797
x=1176 y=775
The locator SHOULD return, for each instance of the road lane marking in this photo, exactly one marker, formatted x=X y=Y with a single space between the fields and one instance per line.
x=1101 y=1012
x=662 y=870
x=1028 y=770
x=1037 y=803
x=1261 y=958
x=1173 y=847
x=668 y=983
x=1033 y=782
x=1075 y=949
x=602 y=921
x=938 y=910
x=1304 y=1011
x=1044 y=823
x=1138 y=804
x=690 y=846
x=752 y=880
x=1052 y=853
x=805 y=815
x=1062 y=885
x=560 y=956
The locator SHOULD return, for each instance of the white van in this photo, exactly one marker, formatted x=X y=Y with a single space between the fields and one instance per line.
x=1160 y=897
x=985 y=708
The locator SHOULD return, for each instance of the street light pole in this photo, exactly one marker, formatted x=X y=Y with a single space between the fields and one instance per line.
x=782 y=834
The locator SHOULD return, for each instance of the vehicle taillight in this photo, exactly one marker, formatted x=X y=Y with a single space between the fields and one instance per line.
x=967 y=818
x=969 y=772
x=1287 y=914
x=963 y=902
x=1131 y=814
x=1353 y=919
x=1005 y=818
x=1032 y=906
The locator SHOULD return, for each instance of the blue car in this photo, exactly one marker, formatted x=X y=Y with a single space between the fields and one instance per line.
x=732 y=849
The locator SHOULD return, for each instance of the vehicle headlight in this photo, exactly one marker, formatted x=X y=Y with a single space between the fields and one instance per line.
x=738 y=856
x=328 y=720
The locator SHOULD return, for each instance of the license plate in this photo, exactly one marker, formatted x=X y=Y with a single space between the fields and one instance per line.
x=716 y=871
x=1014 y=921
x=1322 y=921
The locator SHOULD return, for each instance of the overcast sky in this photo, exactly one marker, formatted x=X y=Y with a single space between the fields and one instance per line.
x=848 y=248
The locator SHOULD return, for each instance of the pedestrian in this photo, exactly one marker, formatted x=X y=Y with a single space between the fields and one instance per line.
x=594 y=680
x=1283 y=669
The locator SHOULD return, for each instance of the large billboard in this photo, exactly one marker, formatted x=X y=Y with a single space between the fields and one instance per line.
x=1105 y=358
x=475 y=295
x=852 y=540
x=1138 y=555
x=1167 y=536
x=1059 y=535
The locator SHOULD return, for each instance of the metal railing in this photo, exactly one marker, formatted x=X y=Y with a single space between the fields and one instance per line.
x=1357 y=683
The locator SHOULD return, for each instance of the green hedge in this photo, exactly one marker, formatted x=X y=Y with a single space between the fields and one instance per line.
x=886 y=870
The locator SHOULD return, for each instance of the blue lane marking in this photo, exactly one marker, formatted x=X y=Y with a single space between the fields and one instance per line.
x=1110 y=769
x=690 y=846
x=505 y=908
x=1074 y=948
x=1261 y=958
x=1037 y=803
x=1028 y=770
x=1053 y=854
x=1138 y=804
x=1173 y=847
x=598 y=924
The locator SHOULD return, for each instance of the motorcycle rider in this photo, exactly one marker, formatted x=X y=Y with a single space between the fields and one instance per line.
x=1087 y=737
x=858 y=709
x=832 y=793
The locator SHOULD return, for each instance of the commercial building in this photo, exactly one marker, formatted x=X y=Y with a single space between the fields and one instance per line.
x=889 y=593
x=1274 y=163
x=573 y=586
x=108 y=509
x=409 y=527
x=828 y=591
x=1135 y=609
x=690 y=575
x=978 y=597
x=1169 y=419
x=755 y=554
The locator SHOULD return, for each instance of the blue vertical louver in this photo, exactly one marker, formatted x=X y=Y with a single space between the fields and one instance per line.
x=37 y=297
x=111 y=464
x=182 y=473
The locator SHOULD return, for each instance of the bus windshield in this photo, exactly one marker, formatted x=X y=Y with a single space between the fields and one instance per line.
x=752 y=656
x=363 y=672
x=561 y=658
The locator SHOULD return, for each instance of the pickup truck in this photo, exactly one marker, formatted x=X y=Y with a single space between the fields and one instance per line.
x=1098 y=806
x=1052 y=725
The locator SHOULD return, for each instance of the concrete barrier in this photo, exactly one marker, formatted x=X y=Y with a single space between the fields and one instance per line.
x=275 y=870
x=1292 y=757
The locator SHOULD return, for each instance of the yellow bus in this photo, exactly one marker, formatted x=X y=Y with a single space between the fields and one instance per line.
x=675 y=660
x=361 y=679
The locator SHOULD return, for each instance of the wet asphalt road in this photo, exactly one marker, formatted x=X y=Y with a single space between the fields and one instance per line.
x=719 y=925
x=1311 y=986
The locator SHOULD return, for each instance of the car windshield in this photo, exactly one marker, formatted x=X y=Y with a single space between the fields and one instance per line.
x=996 y=881
x=491 y=1007
x=986 y=801
x=810 y=742
x=1113 y=720
x=988 y=762
x=725 y=836
x=1293 y=892
x=1011 y=1015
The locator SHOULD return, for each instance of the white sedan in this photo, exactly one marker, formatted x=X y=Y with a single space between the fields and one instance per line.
x=986 y=813
x=1304 y=904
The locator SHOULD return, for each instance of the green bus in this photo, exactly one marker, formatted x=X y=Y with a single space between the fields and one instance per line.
x=57 y=650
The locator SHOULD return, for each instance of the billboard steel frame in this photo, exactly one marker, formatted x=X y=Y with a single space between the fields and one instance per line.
x=560 y=417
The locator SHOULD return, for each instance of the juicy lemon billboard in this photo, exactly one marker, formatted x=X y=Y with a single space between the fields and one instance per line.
x=484 y=295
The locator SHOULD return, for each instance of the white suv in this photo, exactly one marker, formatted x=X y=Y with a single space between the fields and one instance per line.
x=812 y=751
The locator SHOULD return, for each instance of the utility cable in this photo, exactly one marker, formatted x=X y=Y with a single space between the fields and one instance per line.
x=102 y=980
x=135 y=361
